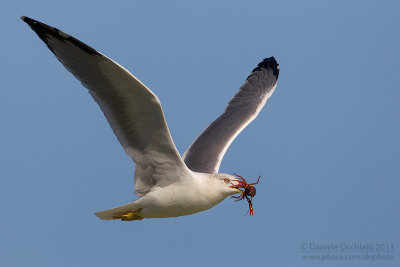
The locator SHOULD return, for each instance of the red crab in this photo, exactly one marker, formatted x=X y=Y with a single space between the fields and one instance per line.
x=249 y=190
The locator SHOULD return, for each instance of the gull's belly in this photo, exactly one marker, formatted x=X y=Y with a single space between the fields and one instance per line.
x=177 y=200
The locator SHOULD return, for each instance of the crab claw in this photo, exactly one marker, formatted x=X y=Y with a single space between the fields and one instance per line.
x=250 y=205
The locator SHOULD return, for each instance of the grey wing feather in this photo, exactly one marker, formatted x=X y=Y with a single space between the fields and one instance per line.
x=132 y=110
x=206 y=152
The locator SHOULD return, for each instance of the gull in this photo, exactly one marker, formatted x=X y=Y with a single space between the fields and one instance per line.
x=167 y=184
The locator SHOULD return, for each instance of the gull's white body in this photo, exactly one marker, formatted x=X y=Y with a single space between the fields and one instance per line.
x=199 y=193
x=167 y=184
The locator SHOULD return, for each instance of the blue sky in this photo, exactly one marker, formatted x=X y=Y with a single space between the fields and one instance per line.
x=326 y=144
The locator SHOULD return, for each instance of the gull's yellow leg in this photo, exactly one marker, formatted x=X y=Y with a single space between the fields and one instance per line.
x=129 y=216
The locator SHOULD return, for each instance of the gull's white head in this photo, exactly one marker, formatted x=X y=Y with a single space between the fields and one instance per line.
x=225 y=183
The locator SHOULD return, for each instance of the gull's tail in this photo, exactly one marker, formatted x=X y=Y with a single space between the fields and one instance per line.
x=129 y=212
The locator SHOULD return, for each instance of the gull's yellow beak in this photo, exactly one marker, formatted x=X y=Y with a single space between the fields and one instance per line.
x=238 y=190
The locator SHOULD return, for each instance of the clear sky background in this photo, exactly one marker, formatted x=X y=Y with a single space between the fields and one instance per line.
x=326 y=144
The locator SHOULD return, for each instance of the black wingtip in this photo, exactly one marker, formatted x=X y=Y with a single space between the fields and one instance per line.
x=26 y=19
x=267 y=63
x=44 y=30
x=29 y=21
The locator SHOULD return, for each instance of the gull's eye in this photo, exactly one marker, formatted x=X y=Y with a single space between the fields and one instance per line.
x=226 y=180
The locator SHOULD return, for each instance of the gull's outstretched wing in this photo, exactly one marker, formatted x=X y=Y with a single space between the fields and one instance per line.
x=132 y=110
x=207 y=151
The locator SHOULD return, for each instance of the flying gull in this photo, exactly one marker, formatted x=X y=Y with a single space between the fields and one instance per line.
x=168 y=185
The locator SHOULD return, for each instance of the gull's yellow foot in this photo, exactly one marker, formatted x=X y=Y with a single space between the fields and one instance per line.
x=129 y=216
